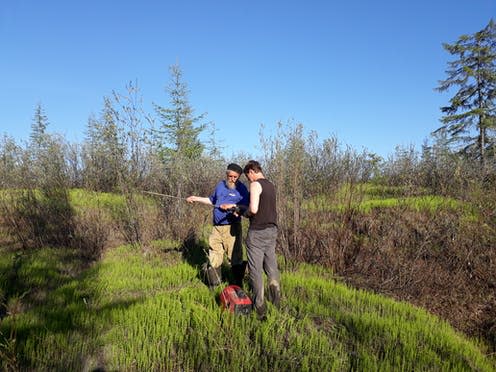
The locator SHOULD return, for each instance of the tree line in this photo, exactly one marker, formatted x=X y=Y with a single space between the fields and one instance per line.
x=126 y=147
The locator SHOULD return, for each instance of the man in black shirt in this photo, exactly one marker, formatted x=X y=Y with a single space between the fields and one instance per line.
x=261 y=238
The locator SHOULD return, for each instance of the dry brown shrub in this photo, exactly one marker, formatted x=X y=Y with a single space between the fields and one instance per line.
x=93 y=229
x=442 y=261
x=182 y=219
x=37 y=218
x=140 y=221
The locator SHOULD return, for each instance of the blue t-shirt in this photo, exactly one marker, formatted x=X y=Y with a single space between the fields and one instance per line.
x=224 y=195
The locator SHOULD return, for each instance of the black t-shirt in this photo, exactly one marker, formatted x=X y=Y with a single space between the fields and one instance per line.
x=267 y=213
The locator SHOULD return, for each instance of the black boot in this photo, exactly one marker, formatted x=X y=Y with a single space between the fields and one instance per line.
x=238 y=274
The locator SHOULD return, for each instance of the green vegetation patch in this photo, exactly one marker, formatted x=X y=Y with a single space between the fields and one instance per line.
x=366 y=197
x=47 y=324
x=418 y=203
x=381 y=334
x=132 y=311
x=88 y=199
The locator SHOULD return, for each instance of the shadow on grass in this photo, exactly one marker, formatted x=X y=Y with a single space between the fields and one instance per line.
x=58 y=324
x=194 y=251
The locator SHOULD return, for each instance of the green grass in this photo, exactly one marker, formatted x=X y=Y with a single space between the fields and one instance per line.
x=79 y=198
x=384 y=334
x=135 y=312
x=366 y=197
x=90 y=199
x=430 y=203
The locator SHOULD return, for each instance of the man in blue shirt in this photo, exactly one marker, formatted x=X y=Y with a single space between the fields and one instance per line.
x=226 y=235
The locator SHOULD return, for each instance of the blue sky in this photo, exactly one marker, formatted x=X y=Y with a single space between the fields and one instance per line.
x=363 y=71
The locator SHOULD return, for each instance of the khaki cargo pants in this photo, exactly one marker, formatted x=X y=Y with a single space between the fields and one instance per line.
x=226 y=239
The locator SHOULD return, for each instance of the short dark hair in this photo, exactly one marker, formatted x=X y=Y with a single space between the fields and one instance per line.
x=235 y=168
x=253 y=165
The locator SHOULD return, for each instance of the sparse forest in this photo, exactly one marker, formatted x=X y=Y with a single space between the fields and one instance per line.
x=418 y=227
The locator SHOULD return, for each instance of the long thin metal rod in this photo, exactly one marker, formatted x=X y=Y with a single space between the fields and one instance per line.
x=174 y=197
x=167 y=196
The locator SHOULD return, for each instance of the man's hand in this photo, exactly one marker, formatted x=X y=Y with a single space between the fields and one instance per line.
x=235 y=209
x=228 y=207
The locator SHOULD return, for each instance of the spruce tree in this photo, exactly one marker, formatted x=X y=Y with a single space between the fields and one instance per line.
x=38 y=135
x=105 y=154
x=470 y=118
x=177 y=135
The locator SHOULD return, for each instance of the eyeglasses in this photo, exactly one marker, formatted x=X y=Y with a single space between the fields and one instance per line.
x=232 y=175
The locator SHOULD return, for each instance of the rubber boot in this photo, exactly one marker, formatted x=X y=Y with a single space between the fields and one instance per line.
x=213 y=276
x=274 y=293
x=218 y=274
x=261 y=312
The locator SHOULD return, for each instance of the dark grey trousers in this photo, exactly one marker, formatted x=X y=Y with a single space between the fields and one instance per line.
x=261 y=252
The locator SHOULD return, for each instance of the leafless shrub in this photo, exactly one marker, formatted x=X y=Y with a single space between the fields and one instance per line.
x=10 y=160
x=39 y=218
x=439 y=260
x=92 y=231
x=176 y=181
x=192 y=219
x=129 y=220
x=301 y=167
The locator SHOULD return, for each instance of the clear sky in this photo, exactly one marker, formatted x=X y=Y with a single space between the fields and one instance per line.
x=363 y=71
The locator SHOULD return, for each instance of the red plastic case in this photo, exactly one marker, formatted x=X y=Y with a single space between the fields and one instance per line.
x=234 y=299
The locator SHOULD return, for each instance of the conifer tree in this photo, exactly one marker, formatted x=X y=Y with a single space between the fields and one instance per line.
x=44 y=156
x=38 y=135
x=470 y=118
x=177 y=134
x=105 y=154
